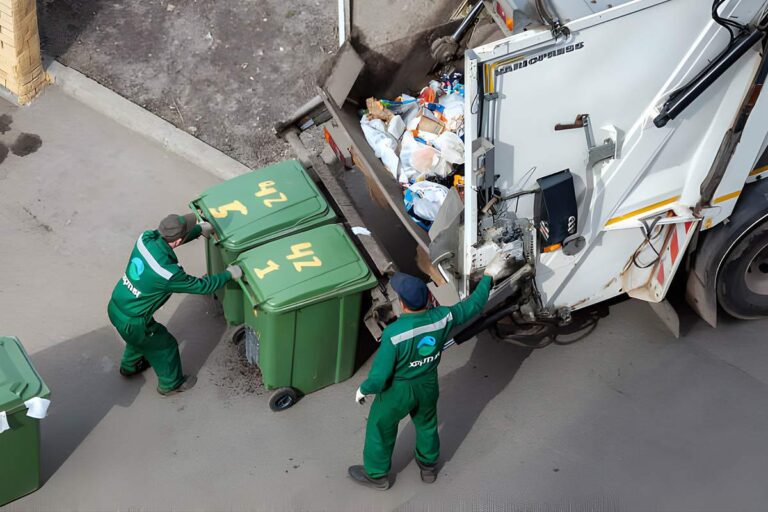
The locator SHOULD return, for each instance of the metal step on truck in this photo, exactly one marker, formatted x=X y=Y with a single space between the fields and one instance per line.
x=609 y=146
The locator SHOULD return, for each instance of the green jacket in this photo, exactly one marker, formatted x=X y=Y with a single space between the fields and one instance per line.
x=153 y=274
x=411 y=346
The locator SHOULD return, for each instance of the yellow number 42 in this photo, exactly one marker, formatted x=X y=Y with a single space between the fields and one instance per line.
x=303 y=251
x=267 y=188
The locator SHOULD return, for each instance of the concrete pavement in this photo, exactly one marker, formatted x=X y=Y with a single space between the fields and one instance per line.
x=627 y=419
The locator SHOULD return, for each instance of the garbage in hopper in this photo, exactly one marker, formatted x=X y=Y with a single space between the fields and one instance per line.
x=421 y=140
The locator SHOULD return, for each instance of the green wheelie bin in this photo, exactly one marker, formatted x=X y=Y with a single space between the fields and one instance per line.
x=253 y=209
x=19 y=433
x=303 y=297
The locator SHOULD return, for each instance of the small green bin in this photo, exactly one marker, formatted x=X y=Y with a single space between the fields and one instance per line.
x=20 y=445
x=254 y=209
x=303 y=296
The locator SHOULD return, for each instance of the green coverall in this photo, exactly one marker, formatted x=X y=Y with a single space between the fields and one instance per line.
x=404 y=379
x=152 y=275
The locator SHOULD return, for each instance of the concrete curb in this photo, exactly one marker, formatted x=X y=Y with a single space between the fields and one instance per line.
x=139 y=120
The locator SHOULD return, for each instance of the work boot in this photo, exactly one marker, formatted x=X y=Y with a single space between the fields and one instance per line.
x=141 y=366
x=359 y=475
x=428 y=472
x=187 y=384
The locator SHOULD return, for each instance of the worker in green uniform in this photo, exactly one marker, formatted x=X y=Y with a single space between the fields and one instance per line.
x=404 y=375
x=152 y=275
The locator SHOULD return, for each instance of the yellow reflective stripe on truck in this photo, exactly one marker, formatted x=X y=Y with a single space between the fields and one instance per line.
x=759 y=170
x=640 y=211
x=726 y=197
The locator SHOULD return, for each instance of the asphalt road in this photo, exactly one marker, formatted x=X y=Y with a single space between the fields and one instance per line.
x=627 y=419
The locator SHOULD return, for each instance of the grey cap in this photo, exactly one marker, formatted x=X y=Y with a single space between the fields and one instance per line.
x=175 y=226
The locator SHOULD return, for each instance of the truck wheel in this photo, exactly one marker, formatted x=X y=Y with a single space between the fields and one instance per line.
x=742 y=283
x=283 y=399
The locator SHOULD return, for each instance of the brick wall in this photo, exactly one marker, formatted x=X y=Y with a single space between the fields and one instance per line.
x=21 y=69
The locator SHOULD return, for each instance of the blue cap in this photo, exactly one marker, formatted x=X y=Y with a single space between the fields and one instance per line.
x=412 y=290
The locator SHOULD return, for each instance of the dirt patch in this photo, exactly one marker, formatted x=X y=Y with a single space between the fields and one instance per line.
x=225 y=72
x=232 y=373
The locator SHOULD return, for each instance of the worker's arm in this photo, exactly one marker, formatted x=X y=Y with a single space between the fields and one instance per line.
x=474 y=304
x=181 y=282
x=194 y=233
x=382 y=369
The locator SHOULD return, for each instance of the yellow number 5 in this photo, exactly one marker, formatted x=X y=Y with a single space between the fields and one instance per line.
x=223 y=210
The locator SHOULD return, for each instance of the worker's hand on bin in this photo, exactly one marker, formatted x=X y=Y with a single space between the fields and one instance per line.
x=235 y=271
x=499 y=267
x=206 y=229
x=359 y=397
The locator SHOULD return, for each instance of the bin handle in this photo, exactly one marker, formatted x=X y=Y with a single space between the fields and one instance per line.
x=246 y=289
x=199 y=216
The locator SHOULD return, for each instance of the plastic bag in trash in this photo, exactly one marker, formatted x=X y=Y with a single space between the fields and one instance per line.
x=422 y=158
x=453 y=106
x=423 y=200
x=396 y=127
x=384 y=144
x=451 y=147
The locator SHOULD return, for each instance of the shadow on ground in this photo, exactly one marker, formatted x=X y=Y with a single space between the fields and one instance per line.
x=464 y=394
x=82 y=374
x=198 y=325
x=62 y=22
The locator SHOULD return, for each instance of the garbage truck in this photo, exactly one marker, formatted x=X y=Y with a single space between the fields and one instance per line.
x=607 y=148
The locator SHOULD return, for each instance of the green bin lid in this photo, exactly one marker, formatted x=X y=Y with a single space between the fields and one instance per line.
x=303 y=269
x=262 y=205
x=18 y=379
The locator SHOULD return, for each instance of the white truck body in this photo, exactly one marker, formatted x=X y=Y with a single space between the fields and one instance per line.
x=643 y=191
x=624 y=63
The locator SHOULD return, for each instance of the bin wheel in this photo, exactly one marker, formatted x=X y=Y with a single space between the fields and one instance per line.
x=283 y=399
x=238 y=336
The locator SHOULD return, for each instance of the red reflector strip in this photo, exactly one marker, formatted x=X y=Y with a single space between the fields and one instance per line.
x=673 y=246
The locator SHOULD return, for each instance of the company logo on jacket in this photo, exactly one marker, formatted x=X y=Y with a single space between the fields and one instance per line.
x=426 y=346
x=136 y=268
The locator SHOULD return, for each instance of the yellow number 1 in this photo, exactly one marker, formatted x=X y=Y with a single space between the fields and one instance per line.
x=223 y=210
x=271 y=267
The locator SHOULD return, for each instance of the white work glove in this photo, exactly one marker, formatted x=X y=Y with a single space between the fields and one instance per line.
x=499 y=267
x=207 y=229
x=359 y=397
x=235 y=271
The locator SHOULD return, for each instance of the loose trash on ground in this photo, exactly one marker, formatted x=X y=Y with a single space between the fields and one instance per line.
x=420 y=141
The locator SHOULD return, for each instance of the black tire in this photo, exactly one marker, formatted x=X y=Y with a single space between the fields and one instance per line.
x=238 y=335
x=282 y=399
x=742 y=283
